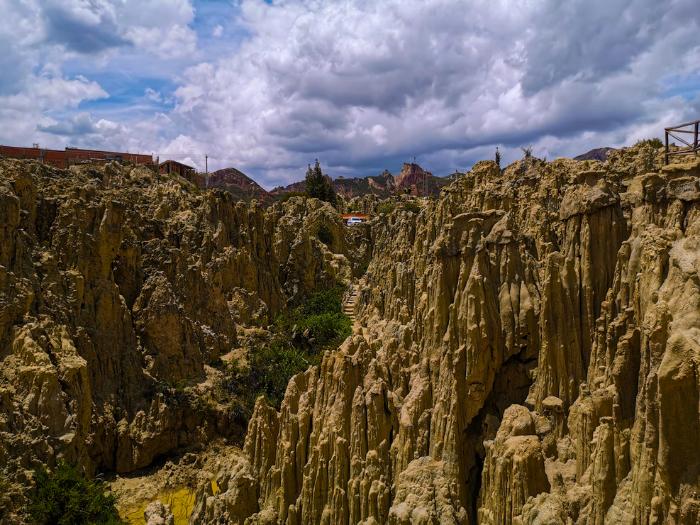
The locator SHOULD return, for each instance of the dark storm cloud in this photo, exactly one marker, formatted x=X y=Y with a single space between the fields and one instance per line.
x=587 y=40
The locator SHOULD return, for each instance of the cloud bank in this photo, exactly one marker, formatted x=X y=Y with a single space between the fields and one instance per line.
x=360 y=84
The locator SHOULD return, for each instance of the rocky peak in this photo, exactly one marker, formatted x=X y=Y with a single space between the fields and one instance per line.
x=235 y=182
x=412 y=177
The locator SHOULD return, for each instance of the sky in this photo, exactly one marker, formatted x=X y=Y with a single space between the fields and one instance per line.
x=267 y=86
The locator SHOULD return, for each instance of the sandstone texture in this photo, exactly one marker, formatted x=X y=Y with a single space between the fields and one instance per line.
x=158 y=514
x=118 y=291
x=526 y=351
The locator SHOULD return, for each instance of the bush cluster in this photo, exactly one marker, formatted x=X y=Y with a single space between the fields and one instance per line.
x=385 y=208
x=300 y=336
x=66 y=497
x=653 y=142
x=289 y=195
x=411 y=207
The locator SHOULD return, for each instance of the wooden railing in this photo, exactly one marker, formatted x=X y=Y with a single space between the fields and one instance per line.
x=689 y=130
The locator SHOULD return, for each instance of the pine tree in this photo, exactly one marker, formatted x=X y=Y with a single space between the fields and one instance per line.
x=318 y=185
x=498 y=157
x=313 y=186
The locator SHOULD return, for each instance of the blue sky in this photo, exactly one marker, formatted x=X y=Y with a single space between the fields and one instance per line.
x=268 y=86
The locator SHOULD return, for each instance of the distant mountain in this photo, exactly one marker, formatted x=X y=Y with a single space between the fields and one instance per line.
x=413 y=179
x=600 y=154
x=235 y=182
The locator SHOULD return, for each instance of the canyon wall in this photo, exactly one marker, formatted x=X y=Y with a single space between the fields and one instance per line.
x=119 y=290
x=526 y=351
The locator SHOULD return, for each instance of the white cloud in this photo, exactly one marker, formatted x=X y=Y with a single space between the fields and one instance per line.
x=40 y=102
x=172 y=42
x=153 y=95
x=361 y=84
x=26 y=111
x=159 y=27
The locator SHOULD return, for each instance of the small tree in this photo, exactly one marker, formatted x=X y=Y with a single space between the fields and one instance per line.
x=498 y=157
x=527 y=152
x=318 y=185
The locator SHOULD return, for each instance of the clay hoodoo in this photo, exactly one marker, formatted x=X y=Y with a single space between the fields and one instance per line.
x=526 y=352
x=119 y=292
x=524 y=347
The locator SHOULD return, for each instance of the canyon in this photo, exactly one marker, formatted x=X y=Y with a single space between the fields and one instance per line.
x=525 y=346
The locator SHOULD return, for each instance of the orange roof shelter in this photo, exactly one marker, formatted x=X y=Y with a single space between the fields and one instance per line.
x=362 y=216
x=354 y=218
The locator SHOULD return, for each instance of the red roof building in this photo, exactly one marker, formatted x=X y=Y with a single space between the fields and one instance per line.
x=69 y=156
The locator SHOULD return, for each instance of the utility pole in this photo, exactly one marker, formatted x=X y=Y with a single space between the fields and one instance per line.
x=206 y=171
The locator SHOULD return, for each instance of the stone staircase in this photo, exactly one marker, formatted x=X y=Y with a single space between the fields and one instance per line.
x=350 y=302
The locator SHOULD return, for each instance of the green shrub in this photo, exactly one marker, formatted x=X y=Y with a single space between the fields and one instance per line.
x=385 y=208
x=361 y=268
x=320 y=317
x=271 y=367
x=653 y=142
x=411 y=206
x=326 y=328
x=299 y=337
x=65 y=497
x=324 y=301
x=286 y=196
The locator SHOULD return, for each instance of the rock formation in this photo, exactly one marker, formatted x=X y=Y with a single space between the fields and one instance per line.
x=525 y=348
x=526 y=352
x=118 y=290
x=158 y=514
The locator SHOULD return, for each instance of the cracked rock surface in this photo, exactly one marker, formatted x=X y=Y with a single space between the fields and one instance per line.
x=527 y=352
x=118 y=290
x=526 y=347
